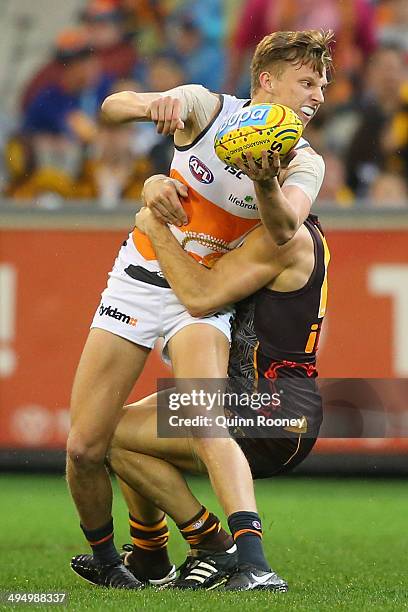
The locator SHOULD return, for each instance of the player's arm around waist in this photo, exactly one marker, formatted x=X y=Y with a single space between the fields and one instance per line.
x=234 y=276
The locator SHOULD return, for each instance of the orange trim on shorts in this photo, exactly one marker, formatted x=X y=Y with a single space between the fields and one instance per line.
x=296 y=451
x=255 y=362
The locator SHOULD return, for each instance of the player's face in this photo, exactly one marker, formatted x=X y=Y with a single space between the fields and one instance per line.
x=300 y=88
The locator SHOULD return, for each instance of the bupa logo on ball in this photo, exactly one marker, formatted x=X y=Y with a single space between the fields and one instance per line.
x=200 y=171
x=244 y=117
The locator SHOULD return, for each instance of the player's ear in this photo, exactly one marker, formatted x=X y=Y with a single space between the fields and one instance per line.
x=265 y=80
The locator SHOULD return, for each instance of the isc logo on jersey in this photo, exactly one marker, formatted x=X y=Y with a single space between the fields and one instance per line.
x=200 y=171
x=244 y=117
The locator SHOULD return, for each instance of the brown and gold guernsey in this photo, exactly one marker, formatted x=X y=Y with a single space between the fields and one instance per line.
x=276 y=333
x=274 y=345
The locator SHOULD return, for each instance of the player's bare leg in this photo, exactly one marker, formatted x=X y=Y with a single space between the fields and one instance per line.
x=135 y=457
x=107 y=371
x=227 y=466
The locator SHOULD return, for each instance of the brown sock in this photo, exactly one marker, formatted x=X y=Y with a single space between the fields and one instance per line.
x=204 y=532
x=149 y=558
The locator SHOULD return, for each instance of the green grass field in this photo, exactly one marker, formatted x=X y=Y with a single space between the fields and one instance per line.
x=341 y=544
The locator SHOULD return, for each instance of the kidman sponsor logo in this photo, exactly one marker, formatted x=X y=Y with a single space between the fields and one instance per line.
x=200 y=171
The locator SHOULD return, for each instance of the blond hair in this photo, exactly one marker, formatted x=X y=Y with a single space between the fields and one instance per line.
x=310 y=47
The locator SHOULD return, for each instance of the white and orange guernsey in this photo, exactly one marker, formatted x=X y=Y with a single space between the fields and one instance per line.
x=221 y=204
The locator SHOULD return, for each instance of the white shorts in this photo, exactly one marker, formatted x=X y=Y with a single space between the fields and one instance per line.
x=142 y=311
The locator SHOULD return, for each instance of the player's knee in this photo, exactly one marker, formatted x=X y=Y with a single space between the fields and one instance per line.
x=84 y=455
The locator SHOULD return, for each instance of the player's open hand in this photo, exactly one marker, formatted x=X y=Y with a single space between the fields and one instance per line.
x=268 y=169
x=163 y=196
x=165 y=112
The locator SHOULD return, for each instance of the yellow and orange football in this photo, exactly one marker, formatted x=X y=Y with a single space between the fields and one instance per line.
x=255 y=128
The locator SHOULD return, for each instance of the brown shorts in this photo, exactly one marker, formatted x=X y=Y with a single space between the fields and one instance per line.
x=271 y=456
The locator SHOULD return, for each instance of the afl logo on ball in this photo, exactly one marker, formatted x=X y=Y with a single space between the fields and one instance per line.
x=200 y=171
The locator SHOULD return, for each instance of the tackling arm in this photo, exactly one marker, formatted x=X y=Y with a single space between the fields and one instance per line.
x=234 y=276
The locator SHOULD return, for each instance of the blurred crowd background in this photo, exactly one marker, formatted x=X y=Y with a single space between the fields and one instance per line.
x=58 y=64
